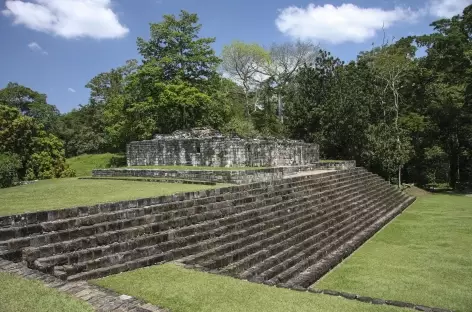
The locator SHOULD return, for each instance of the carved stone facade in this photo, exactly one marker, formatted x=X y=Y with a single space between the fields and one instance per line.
x=212 y=149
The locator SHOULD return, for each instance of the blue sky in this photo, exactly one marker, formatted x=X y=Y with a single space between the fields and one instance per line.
x=57 y=46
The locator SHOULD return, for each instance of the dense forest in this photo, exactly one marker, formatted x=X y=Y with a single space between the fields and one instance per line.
x=404 y=115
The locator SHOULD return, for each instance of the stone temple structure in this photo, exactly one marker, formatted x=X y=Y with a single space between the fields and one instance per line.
x=206 y=147
x=286 y=225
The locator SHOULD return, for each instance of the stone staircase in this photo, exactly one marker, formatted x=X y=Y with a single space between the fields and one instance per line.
x=289 y=231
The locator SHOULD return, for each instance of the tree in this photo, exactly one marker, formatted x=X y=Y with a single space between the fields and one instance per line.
x=106 y=108
x=171 y=89
x=391 y=64
x=40 y=153
x=30 y=103
x=449 y=89
x=243 y=63
x=285 y=60
x=176 y=48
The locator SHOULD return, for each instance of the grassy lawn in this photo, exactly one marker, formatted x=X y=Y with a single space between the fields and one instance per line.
x=183 y=290
x=64 y=193
x=21 y=295
x=84 y=164
x=424 y=257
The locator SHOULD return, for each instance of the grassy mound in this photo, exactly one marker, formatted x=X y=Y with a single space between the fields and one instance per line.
x=64 y=193
x=21 y=295
x=84 y=164
x=182 y=290
x=423 y=256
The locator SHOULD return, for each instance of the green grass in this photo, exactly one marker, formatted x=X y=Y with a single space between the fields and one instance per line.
x=147 y=179
x=21 y=295
x=196 y=168
x=84 y=164
x=64 y=193
x=424 y=257
x=182 y=290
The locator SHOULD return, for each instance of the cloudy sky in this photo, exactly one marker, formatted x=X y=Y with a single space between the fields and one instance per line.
x=57 y=46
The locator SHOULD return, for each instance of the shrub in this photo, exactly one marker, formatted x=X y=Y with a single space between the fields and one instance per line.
x=117 y=161
x=68 y=173
x=9 y=165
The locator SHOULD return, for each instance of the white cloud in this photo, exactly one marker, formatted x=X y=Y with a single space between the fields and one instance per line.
x=71 y=90
x=67 y=18
x=345 y=23
x=447 y=8
x=34 y=46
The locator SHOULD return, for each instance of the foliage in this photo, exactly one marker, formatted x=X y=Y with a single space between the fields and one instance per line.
x=9 y=166
x=243 y=63
x=175 y=47
x=402 y=116
x=30 y=103
x=40 y=153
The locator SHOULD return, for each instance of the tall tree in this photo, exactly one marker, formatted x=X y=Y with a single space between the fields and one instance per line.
x=171 y=89
x=243 y=63
x=30 y=103
x=175 y=47
x=285 y=60
x=391 y=64
x=449 y=89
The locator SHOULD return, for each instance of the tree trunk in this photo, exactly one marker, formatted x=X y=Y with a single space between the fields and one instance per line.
x=454 y=155
x=280 y=108
x=399 y=177
x=247 y=104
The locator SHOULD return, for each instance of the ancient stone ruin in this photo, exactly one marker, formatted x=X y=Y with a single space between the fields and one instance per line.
x=287 y=228
x=207 y=147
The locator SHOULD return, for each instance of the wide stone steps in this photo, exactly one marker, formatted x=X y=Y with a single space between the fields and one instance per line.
x=289 y=231
x=171 y=212
x=306 y=237
x=86 y=263
x=316 y=271
x=312 y=215
x=315 y=202
x=114 y=236
x=125 y=261
x=301 y=238
x=297 y=263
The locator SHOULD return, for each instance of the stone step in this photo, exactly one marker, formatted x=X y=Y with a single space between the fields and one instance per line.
x=95 y=229
x=312 y=255
x=313 y=273
x=119 y=267
x=105 y=238
x=290 y=256
x=317 y=228
x=181 y=201
x=275 y=252
x=164 y=243
x=313 y=216
x=310 y=209
x=125 y=263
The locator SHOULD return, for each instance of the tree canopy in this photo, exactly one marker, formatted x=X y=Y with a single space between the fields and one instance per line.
x=403 y=116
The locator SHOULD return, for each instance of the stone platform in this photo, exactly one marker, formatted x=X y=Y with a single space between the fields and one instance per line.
x=287 y=232
x=250 y=175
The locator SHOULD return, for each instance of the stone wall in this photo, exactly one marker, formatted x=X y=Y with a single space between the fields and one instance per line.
x=220 y=152
x=223 y=176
